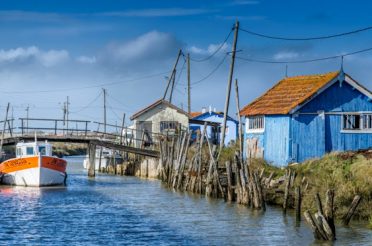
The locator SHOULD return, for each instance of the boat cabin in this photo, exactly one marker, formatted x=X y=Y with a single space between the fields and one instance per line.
x=32 y=149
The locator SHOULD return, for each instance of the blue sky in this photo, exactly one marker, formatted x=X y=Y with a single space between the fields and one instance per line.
x=48 y=48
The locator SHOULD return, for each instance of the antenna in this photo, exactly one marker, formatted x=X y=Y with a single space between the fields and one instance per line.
x=286 y=70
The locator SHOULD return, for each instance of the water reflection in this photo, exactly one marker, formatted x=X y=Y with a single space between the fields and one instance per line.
x=115 y=210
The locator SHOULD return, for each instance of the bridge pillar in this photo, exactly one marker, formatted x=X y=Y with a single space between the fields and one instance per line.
x=92 y=160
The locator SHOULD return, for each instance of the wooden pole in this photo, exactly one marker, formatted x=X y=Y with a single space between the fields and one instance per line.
x=173 y=82
x=3 y=133
x=350 y=212
x=286 y=191
x=92 y=160
x=188 y=85
x=240 y=130
x=173 y=73
x=122 y=129
x=329 y=210
x=298 y=203
x=104 y=110
x=228 y=89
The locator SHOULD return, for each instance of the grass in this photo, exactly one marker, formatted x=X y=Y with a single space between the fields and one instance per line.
x=348 y=173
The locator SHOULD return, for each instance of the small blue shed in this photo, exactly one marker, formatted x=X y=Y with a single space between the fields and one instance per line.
x=214 y=133
x=304 y=117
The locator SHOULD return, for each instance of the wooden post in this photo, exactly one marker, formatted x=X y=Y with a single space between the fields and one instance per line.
x=329 y=210
x=230 y=191
x=3 y=133
x=298 y=203
x=173 y=74
x=309 y=218
x=318 y=204
x=188 y=85
x=122 y=129
x=228 y=89
x=92 y=160
x=173 y=83
x=350 y=212
x=286 y=191
x=240 y=130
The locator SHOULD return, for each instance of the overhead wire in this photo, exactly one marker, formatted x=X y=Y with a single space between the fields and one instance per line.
x=303 y=61
x=212 y=72
x=305 y=38
x=88 y=105
x=216 y=51
x=87 y=87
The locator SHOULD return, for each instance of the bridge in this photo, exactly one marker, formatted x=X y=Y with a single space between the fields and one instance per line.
x=118 y=138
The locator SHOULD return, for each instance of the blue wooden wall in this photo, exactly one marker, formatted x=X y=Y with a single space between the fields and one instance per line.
x=232 y=125
x=276 y=139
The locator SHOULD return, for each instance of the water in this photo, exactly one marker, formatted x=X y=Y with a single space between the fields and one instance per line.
x=114 y=210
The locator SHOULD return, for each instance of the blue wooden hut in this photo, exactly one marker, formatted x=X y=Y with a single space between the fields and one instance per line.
x=214 y=133
x=305 y=117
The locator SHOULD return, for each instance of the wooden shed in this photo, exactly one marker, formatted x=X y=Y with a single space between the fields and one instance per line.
x=304 y=117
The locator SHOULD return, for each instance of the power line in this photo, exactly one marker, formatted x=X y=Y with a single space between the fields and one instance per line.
x=216 y=51
x=87 y=87
x=303 y=61
x=89 y=104
x=212 y=72
x=305 y=38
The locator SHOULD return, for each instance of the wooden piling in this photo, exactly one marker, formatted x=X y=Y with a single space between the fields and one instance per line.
x=352 y=208
x=329 y=210
x=92 y=160
x=286 y=191
x=298 y=200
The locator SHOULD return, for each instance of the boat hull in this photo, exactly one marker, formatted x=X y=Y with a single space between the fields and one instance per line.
x=34 y=171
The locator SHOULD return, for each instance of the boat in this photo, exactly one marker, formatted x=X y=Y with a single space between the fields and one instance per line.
x=34 y=165
x=104 y=159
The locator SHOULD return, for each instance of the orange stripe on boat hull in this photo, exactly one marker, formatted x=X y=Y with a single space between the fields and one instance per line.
x=54 y=163
x=18 y=164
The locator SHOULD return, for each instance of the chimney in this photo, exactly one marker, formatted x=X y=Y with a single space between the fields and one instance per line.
x=215 y=110
x=204 y=110
x=210 y=109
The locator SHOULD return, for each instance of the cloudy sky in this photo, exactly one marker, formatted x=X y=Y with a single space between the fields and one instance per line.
x=53 y=49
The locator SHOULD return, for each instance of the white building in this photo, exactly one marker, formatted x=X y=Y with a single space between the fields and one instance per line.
x=159 y=117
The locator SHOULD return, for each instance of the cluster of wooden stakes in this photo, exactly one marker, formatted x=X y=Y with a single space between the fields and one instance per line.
x=183 y=166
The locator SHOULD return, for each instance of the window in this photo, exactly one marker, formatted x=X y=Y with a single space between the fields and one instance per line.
x=168 y=125
x=255 y=123
x=29 y=150
x=355 y=122
x=42 y=150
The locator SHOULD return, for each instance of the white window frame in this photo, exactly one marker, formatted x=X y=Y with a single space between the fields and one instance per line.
x=362 y=129
x=255 y=130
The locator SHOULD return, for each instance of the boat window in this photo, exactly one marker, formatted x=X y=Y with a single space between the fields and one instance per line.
x=30 y=150
x=42 y=150
x=19 y=152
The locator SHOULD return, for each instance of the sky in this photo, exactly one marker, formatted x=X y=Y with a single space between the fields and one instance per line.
x=53 y=49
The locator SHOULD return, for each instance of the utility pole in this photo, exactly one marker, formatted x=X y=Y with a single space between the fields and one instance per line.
x=228 y=89
x=122 y=129
x=67 y=112
x=173 y=82
x=240 y=130
x=172 y=74
x=188 y=85
x=104 y=110
x=3 y=133
x=27 y=112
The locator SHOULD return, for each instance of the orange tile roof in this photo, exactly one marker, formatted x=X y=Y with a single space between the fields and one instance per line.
x=287 y=94
x=195 y=114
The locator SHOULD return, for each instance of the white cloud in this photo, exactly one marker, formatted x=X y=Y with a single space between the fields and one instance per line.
x=286 y=55
x=160 y=12
x=46 y=58
x=150 y=46
x=86 y=59
x=209 y=50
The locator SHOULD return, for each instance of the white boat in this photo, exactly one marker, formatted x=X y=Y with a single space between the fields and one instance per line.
x=104 y=159
x=34 y=165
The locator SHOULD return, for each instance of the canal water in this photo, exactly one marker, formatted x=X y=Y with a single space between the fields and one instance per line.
x=114 y=210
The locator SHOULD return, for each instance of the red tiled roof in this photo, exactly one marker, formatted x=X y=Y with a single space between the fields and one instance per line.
x=287 y=94
x=195 y=114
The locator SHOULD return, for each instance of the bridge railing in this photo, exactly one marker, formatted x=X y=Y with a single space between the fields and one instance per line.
x=56 y=126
